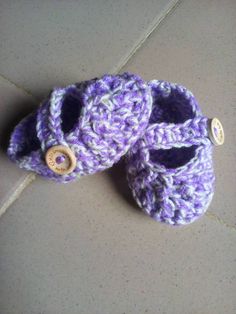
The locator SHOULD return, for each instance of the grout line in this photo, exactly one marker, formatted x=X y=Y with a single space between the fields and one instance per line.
x=29 y=178
x=18 y=87
x=153 y=26
x=15 y=195
x=216 y=218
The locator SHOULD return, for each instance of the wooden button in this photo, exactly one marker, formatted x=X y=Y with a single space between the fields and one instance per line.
x=216 y=132
x=60 y=159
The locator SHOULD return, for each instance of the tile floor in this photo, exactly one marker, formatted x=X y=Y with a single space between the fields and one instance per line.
x=84 y=247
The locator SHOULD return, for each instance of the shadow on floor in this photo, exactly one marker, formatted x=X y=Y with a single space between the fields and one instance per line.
x=117 y=177
x=15 y=113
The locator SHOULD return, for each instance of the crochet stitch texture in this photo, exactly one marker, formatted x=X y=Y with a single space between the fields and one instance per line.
x=169 y=169
x=99 y=120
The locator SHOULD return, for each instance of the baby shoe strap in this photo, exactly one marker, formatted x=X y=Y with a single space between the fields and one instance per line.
x=49 y=121
x=168 y=135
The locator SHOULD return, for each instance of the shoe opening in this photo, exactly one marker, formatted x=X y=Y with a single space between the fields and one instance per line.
x=171 y=108
x=174 y=108
x=173 y=157
x=71 y=110
x=26 y=137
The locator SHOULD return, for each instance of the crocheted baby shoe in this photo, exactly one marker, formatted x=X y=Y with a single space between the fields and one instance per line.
x=83 y=128
x=170 y=168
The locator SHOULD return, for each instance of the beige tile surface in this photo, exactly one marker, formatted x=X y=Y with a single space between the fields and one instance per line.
x=83 y=248
x=14 y=104
x=195 y=46
x=46 y=43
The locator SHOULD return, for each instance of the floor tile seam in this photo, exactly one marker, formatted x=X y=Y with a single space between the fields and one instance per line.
x=22 y=89
x=158 y=20
x=17 y=193
x=220 y=221
x=152 y=27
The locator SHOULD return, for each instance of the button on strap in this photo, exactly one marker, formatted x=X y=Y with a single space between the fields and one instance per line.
x=60 y=159
x=216 y=132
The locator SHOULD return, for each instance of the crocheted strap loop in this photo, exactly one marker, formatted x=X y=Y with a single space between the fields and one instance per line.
x=165 y=136
x=49 y=128
x=54 y=119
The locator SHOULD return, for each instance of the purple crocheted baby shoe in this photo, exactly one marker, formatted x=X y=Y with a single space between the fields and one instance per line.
x=170 y=169
x=83 y=128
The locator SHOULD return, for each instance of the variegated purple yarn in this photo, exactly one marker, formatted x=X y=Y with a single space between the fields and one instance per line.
x=98 y=119
x=170 y=169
